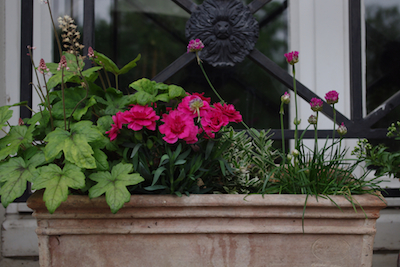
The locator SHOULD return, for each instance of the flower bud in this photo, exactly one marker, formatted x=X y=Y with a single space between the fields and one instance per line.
x=332 y=97
x=292 y=57
x=285 y=98
x=295 y=153
x=342 y=130
x=316 y=104
x=312 y=119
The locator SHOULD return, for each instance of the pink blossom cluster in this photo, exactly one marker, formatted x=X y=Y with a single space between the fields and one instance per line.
x=285 y=98
x=342 y=129
x=63 y=63
x=42 y=66
x=292 y=57
x=316 y=104
x=195 y=46
x=332 y=97
x=180 y=123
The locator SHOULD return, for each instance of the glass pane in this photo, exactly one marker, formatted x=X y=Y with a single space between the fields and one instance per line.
x=156 y=30
x=382 y=18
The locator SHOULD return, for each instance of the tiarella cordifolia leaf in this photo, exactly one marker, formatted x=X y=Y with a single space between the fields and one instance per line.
x=15 y=173
x=113 y=184
x=5 y=115
x=19 y=135
x=56 y=181
x=74 y=144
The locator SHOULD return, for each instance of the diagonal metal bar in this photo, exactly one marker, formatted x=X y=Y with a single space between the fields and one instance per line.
x=382 y=110
x=287 y=80
x=186 y=5
x=174 y=67
x=257 y=5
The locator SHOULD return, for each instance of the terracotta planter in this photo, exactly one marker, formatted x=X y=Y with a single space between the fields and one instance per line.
x=207 y=230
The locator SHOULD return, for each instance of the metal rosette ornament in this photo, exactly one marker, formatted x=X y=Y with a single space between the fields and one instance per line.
x=227 y=28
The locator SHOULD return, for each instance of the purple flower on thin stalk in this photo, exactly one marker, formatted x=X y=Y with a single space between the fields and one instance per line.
x=332 y=97
x=292 y=57
x=195 y=46
x=316 y=104
x=312 y=119
x=285 y=98
x=342 y=130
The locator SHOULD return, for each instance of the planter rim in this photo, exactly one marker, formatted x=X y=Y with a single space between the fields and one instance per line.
x=36 y=202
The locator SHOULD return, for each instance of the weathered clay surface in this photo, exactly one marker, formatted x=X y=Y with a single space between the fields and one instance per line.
x=207 y=230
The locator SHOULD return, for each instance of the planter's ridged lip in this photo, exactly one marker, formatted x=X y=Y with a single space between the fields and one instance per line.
x=35 y=202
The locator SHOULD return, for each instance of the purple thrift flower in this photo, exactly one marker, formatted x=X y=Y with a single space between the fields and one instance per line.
x=316 y=104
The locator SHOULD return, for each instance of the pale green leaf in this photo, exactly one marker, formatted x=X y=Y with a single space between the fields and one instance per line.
x=56 y=182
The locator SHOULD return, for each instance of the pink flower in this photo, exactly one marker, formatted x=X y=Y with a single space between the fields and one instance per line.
x=285 y=98
x=195 y=46
x=42 y=66
x=342 y=130
x=214 y=120
x=208 y=99
x=117 y=126
x=178 y=125
x=292 y=57
x=229 y=111
x=90 y=52
x=63 y=64
x=316 y=104
x=194 y=106
x=140 y=116
x=332 y=97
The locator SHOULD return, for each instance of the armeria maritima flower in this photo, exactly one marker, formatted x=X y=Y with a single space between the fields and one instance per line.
x=195 y=46
x=316 y=104
x=312 y=119
x=332 y=97
x=285 y=98
x=292 y=57
x=342 y=130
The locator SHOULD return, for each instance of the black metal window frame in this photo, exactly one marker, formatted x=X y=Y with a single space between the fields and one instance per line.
x=358 y=126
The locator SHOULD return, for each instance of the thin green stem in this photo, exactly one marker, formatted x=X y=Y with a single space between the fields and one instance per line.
x=334 y=126
x=48 y=102
x=63 y=97
x=283 y=133
x=116 y=81
x=209 y=82
x=215 y=91
x=55 y=30
x=296 y=120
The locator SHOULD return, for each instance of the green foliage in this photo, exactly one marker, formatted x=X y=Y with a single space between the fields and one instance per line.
x=15 y=173
x=251 y=158
x=56 y=181
x=151 y=92
x=113 y=184
x=380 y=158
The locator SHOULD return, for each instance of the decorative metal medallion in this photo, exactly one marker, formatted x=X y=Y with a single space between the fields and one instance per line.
x=227 y=28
